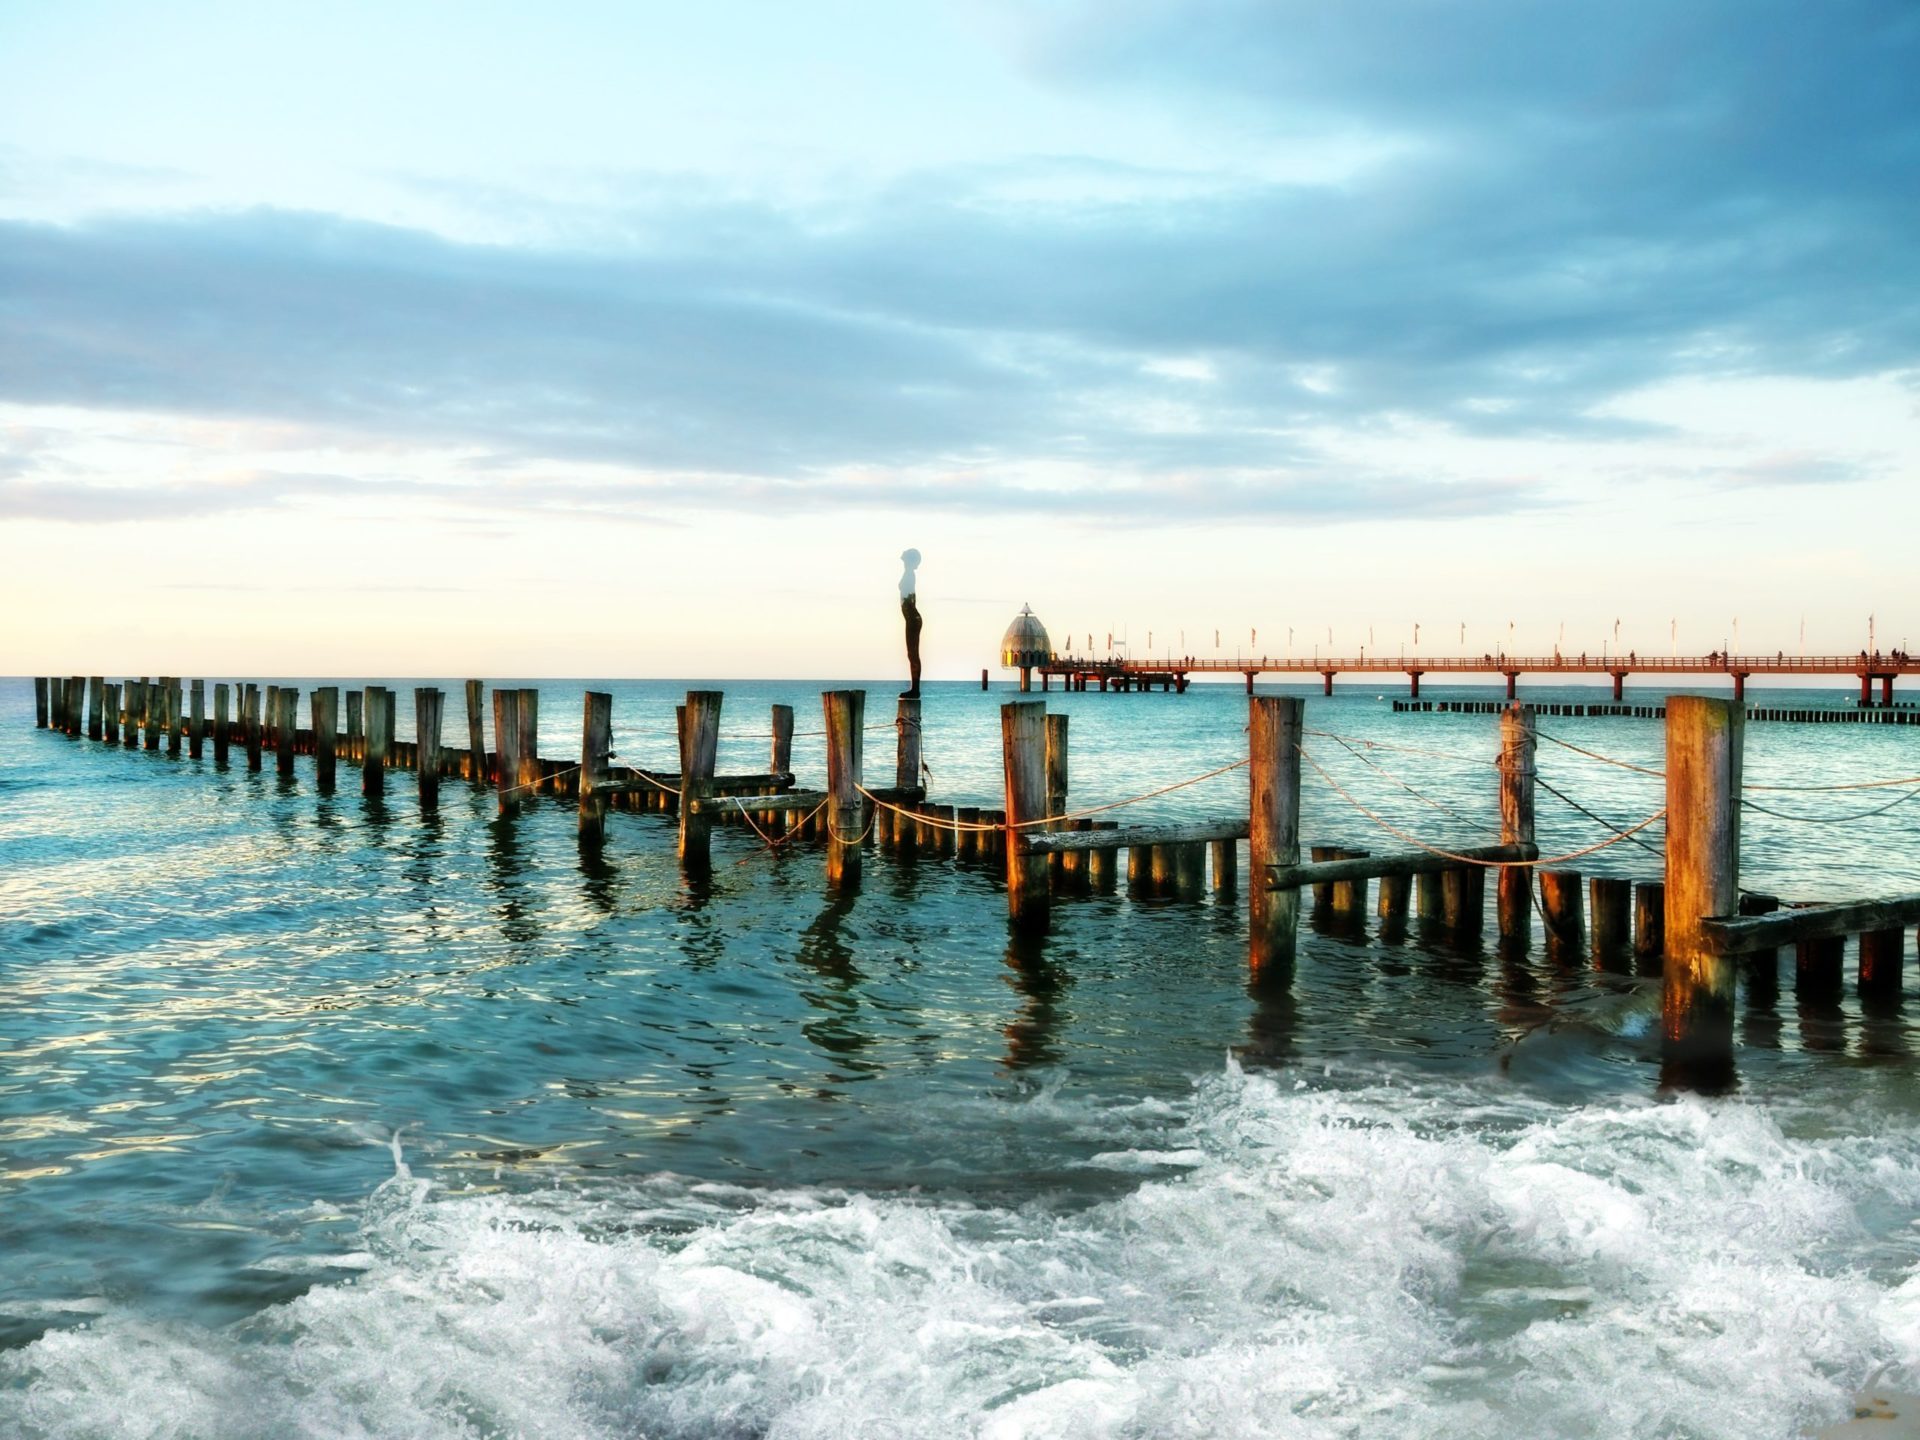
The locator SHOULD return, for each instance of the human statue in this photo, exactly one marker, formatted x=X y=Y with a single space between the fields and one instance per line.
x=910 y=611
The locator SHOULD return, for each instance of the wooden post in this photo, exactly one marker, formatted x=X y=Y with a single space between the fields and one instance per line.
x=376 y=738
x=1023 y=748
x=1430 y=896
x=1610 y=910
x=1273 y=774
x=325 y=705
x=1189 y=869
x=40 y=702
x=283 y=729
x=1649 y=925
x=906 y=765
x=1560 y=910
x=1350 y=896
x=150 y=708
x=269 y=717
x=250 y=724
x=596 y=743
x=1226 y=866
x=781 y=758
x=429 y=705
x=845 y=712
x=1515 y=885
x=506 y=747
x=1881 y=952
x=356 y=725
x=1819 y=971
x=76 y=705
x=699 y=744
x=526 y=705
x=1102 y=864
x=110 y=706
x=96 y=706
x=222 y=726
x=1704 y=745
x=1395 y=891
x=476 y=733
x=197 y=718
x=1057 y=791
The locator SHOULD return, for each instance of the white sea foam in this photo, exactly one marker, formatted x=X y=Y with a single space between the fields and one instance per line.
x=1328 y=1261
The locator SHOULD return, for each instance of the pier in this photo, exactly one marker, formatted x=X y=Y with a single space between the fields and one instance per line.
x=1174 y=674
x=1690 y=923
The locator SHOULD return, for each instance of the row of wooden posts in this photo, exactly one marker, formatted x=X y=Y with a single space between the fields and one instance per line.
x=1696 y=917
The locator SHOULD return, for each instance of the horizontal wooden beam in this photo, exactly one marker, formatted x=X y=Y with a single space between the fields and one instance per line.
x=1372 y=867
x=1747 y=933
x=1055 y=842
x=783 y=800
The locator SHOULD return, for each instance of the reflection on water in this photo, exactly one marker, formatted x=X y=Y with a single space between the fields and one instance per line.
x=225 y=990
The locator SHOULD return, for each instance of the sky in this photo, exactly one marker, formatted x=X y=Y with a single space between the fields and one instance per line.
x=638 y=340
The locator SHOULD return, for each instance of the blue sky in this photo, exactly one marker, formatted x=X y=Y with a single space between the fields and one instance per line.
x=654 y=333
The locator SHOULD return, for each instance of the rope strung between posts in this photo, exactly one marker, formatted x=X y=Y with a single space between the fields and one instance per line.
x=1425 y=799
x=959 y=826
x=1401 y=749
x=1827 y=819
x=1830 y=789
x=776 y=842
x=1603 y=759
x=1420 y=844
x=1903 y=781
x=1603 y=823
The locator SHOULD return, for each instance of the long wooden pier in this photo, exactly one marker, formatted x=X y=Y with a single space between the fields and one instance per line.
x=1692 y=925
x=1176 y=673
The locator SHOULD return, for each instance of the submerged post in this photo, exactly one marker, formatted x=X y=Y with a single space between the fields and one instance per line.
x=1274 y=725
x=781 y=755
x=222 y=726
x=197 y=719
x=1704 y=742
x=356 y=723
x=845 y=714
x=250 y=724
x=1023 y=744
x=476 y=734
x=112 y=708
x=1057 y=790
x=283 y=728
x=325 y=705
x=699 y=747
x=96 y=706
x=506 y=745
x=377 y=716
x=596 y=743
x=40 y=702
x=1515 y=885
x=526 y=708
x=429 y=704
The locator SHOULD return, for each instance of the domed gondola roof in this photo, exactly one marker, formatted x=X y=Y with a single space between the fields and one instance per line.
x=1025 y=642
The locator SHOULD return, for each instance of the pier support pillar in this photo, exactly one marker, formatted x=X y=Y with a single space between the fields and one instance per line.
x=1249 y=682
x=1704 y=744
x=1866 y=691
x=1413 y=683
x=1326 y=677
x=1023 y=741
x=1512 y=676
x=1026 y=679
x=1514 y=893
x=1740 y=686
x=1886 y=691
x=1619 y=686
x=1274 y=731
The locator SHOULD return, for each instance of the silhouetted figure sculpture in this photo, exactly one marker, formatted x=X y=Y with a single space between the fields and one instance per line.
x=911 y=613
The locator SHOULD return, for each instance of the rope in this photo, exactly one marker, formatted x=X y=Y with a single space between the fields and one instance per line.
x=958 y=826
x=1827 y=819
x=1603 y=759
x=1451 y=815
x=1605 y=824
x=1419 y=844
x=775 y=842
x=1826 y=789
x=1402 y=749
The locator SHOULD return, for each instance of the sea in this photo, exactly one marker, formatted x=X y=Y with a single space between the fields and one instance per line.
x=321 y=1116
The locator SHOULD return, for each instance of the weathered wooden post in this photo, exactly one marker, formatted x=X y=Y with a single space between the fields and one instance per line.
x=1395 y=892
x=1514 y=902
x=1649 y=925
x=356 y=726
x=286 y=701
x=250 y=724
x=906 y=765
x=1881 y=953
x=1057 y=776
x=1226 y=865
x=476 y=734
x=325 y=705
x=1349 y=896
x=699 y=746
x=1610 y=921
x=376 y=713
x=269 y=717
x=76 y=705
x=96 y=706
x=1560 y=910
x=1023 y=749
x=150 y=715
x=429 y=706
x=1274 y=728
x=197 y=719
x=526 y=708
x=506 y=747
x=222 y=724
x=596 y=745
x=40 y=702
x=782 y=753
x=110 y=706
x=1704 y=753
x=845 y=714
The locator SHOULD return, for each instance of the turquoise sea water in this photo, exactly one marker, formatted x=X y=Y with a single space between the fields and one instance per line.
x=321 y=1116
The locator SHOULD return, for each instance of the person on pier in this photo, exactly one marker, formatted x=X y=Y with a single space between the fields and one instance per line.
x=910 y=611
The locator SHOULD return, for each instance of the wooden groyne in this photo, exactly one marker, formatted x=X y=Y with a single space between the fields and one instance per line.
x=1687 y=924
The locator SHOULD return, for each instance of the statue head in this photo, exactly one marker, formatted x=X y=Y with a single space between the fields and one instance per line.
x=910 y=558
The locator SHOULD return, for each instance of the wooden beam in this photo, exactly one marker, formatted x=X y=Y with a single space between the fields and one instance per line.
x=1370 y=867
x=1739 y=935
x=1198 y=832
